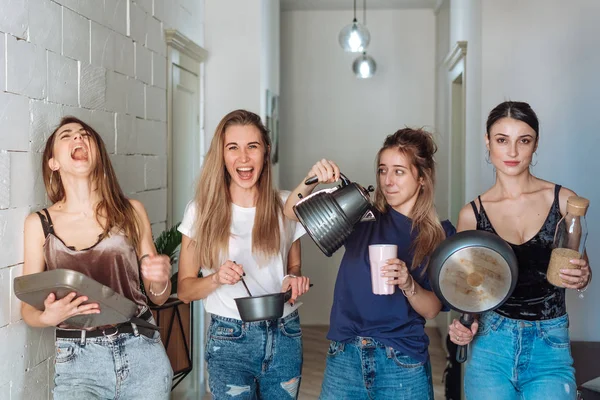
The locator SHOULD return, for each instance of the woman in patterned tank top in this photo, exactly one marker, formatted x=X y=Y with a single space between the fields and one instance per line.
x=521 y=350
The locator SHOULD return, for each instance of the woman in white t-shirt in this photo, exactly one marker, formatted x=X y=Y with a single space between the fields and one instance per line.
x=235 y=227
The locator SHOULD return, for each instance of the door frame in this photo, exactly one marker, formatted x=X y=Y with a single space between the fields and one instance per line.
x=456 y=65
x=178 y=44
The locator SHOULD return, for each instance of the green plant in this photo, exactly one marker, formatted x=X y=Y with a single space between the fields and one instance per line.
x=169 y=244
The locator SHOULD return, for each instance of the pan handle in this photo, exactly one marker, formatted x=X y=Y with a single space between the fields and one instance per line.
x=461 y=351
x=288 y=295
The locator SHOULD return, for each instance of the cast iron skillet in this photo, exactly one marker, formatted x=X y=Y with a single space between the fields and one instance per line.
x=262 y=308
x=473 y=272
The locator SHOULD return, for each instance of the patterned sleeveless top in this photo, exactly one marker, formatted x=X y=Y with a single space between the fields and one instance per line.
x=112 y=261
x=534 y=297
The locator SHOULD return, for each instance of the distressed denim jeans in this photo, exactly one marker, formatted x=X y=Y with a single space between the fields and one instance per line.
x=254 y=360
x=123 y=366
x=514 y=359
x=366 y=369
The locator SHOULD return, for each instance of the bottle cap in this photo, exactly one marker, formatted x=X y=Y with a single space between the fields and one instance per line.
x=577 y=205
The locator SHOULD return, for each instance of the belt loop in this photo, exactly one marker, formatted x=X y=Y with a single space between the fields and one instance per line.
x=135 y=329
x=82 y=342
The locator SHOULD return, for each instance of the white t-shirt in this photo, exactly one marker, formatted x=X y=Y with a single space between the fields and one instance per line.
x=264 y=279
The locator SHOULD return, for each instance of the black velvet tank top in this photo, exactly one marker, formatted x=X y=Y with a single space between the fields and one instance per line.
x=534 y=297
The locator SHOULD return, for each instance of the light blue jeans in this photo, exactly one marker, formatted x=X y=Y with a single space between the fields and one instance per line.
x=254 y=360
x=366 y=369
x=123 y=367
x=516 y=359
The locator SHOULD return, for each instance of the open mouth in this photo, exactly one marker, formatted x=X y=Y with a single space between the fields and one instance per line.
x=245 y=173
x=79 y=153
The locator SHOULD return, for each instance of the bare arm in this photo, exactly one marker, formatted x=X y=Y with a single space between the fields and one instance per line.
x=326 y=172
x=299 y=284
x=190 y=287
x=156 y=269
x=577 y=278
x=466 y=219
x=425 y=302
x=422 y=300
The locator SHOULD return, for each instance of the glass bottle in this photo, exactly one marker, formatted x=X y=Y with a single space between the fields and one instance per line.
x=569 y=239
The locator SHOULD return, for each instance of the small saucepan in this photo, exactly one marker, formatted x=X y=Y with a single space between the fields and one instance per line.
x=262 y=308
x=473 y=272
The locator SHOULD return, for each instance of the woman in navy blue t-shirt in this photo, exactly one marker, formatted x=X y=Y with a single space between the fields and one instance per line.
x=378 y=344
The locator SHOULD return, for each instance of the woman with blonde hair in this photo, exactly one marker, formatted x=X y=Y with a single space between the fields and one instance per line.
x=235 y=228
x=94 y=229
x=378 y=344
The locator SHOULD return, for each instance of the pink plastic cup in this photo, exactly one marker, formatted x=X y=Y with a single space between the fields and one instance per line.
x=378 y=256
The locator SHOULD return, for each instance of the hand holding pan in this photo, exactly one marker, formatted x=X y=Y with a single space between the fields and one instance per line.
x=473 y=272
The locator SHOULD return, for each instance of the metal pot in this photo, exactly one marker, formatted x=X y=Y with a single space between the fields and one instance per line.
x=473 y=272
x=263 y=308
x=329 y=215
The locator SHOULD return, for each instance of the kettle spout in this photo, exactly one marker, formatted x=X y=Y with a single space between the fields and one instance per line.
x=368 y=216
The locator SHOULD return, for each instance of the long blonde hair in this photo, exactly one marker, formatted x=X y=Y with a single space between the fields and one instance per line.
x=419 y=147
x=212 y=228
x=113 y=206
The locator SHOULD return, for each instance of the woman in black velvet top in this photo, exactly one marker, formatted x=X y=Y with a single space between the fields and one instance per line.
x=521 y=350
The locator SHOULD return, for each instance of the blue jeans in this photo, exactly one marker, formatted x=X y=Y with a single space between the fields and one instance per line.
x=366 y=369
x=254 y=360
x=123 y=366
x=516 y=359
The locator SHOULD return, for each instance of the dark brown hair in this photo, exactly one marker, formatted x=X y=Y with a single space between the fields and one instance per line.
x=518 y=110
x=113 y=206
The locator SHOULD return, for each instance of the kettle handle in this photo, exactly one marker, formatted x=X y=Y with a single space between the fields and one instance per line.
x=314 y=179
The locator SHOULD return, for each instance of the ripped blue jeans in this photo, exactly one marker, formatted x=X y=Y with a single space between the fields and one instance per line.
x=254 y=360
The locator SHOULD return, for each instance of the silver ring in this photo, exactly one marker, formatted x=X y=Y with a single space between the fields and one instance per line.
x=457 y=337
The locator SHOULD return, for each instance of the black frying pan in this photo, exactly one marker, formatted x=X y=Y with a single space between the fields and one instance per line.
x=473 y=272
x=262 y=308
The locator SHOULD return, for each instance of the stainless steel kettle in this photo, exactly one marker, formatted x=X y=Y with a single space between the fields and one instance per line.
x=329 y=215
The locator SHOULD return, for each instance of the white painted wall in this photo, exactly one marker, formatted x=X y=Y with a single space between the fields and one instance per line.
x=242 y=38
x=102 y=61
x=327 y=112
x=549 y=58
x=542 y=52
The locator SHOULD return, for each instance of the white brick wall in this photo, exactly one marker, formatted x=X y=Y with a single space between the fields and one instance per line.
x=103 y=61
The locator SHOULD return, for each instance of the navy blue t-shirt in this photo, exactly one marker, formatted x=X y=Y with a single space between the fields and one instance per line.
x=388 y=319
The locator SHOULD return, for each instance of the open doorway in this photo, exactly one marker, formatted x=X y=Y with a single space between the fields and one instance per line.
x=185 y=152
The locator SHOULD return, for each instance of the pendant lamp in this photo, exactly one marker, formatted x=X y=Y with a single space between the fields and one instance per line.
x=354 y=37
x=364 y=66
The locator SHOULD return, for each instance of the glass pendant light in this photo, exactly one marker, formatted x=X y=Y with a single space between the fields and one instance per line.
x=364 y=66
x=354 y=37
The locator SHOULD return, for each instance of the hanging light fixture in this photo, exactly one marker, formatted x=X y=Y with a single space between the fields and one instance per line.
x=354 y=37
x=364 y=66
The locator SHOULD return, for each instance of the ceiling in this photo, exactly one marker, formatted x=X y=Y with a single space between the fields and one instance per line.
x=288 y=5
